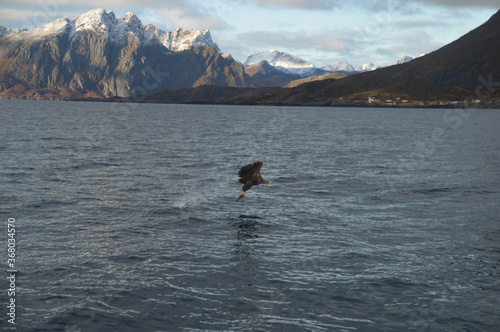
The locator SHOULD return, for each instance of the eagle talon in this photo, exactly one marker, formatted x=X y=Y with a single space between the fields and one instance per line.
x=242 y=195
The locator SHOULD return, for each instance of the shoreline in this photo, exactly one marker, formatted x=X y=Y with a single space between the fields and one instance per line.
x=428 y=105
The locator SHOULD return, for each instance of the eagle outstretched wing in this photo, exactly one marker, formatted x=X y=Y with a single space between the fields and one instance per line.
x=250 y=172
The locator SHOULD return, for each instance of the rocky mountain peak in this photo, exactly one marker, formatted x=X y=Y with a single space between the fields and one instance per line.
x=96 y=20
x=180 y=39
x=128 y=24
x=131 y=17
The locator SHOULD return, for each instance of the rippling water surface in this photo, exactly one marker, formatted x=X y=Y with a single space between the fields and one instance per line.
x=127 y=219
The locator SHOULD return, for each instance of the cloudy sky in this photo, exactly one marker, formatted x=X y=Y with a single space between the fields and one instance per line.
x=319 y=31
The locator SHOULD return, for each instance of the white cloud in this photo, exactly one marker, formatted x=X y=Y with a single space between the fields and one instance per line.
x=284 y=40
x=11 y=17
x=422 y=23
x=179 y=18
x=301 y=4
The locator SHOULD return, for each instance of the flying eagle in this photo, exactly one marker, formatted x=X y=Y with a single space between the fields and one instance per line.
x=250 y=176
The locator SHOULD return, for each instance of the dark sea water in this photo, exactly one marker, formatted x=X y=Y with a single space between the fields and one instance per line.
x=127 y=219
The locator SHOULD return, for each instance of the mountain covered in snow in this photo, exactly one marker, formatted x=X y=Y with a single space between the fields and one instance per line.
x=118 y=31
x=370 y=66
x=99 y=55
x=339 y=66
x=403 y=59
x=291 y=64
x=278 y=59
x=181 y=40
x=344 y=67
x=283 y=61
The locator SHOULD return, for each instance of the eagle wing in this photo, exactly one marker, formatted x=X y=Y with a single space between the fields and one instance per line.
x=250 y=172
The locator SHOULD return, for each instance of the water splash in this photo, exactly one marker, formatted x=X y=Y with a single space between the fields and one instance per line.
x=189 y=199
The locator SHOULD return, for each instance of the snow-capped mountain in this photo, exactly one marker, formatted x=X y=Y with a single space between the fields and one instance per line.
x=370 y=66
x=181 y=40
x=290 y=64
x=367 y=67
x=347 y=68
x=403 y=59
x=99 y=55
x=339 y=66
x=282 y=61
x=119 y=29
x=97 y=20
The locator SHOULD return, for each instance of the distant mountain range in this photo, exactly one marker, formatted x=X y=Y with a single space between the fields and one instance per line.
x=99 y=56
x=282 y=61
x=290 y=64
